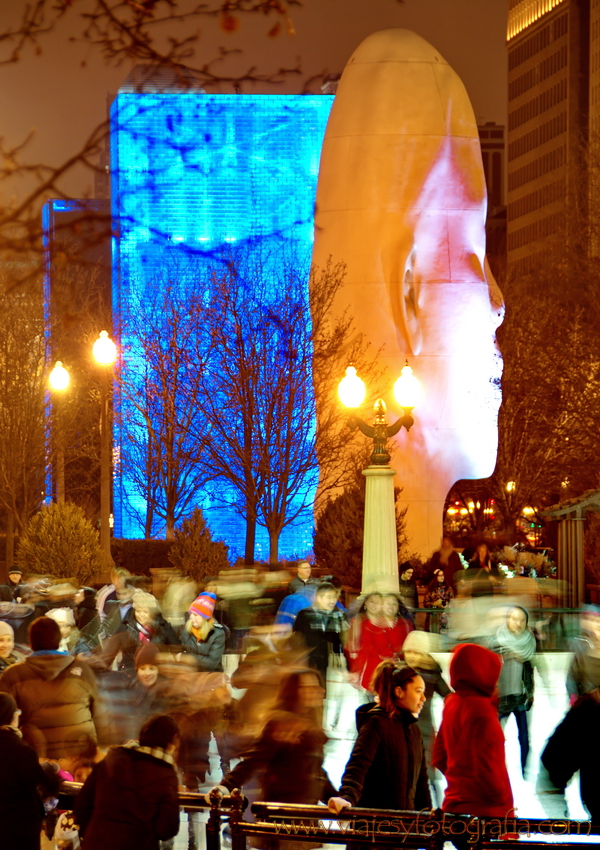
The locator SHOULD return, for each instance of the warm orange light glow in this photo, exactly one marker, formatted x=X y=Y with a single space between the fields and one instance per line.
x=59 y=377
x=105 y=351
x=351 y=389
x=527 y=12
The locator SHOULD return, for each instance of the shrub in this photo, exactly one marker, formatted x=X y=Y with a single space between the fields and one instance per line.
x=60 y=541
x=194 y=552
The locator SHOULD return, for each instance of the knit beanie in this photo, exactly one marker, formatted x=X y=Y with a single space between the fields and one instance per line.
x=7 y=709
x=204 y=605
x=146 y=654
x=6 y=629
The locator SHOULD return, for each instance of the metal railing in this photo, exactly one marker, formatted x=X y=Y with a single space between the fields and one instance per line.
x=426 y=829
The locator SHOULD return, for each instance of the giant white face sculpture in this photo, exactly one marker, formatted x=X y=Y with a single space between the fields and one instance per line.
x=401 y=199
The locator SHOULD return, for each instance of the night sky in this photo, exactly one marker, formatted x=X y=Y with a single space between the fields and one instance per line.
x=63 y=100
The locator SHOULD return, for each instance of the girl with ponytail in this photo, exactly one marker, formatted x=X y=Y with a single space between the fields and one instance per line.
x=387 y=768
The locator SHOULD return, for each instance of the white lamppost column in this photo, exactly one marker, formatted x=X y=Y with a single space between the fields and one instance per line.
x=105 y=353
x=59 y=381
x=380 y=545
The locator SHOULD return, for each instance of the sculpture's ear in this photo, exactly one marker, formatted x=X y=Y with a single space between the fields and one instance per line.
x=403 y=289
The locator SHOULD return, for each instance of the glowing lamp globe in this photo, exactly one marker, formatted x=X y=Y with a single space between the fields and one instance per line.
x=59 y=377
x=407 y=389
x=351 y=389
x=104 y=349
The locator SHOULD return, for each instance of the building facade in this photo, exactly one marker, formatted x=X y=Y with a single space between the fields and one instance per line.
x=192 y=175
x=549 y=90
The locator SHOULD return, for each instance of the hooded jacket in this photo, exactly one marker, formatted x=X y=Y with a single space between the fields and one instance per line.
x=56 y=694
x=469 y=747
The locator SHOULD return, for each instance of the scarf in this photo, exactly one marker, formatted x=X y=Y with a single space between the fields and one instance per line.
x=155 y=752
x=523 y=645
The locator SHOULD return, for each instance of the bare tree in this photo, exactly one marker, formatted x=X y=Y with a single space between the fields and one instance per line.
x=23 y=377
x=160 y=407
x=269 y=356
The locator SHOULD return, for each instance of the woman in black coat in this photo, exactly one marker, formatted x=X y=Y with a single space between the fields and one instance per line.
x=130 y=799
x=21 y=809
x=387 y=768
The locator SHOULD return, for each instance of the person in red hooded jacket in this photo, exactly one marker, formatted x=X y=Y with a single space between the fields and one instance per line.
x=469 y=747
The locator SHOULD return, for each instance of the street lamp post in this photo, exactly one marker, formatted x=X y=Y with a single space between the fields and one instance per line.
x=380 y=546
x=59 y=381
x=105 y=353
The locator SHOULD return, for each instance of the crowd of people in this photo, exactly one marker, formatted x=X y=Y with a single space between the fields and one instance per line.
x=102 y=687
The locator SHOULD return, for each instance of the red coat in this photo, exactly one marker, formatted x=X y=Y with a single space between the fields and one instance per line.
x=376 y=644
x=469 y=747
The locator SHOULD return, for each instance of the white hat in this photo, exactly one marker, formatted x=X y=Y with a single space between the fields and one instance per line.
x=62 y=616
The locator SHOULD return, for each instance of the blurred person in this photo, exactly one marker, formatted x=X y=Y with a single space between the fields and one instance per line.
x=469 y=746
x=288 y=754
x=239 y=589
x=482 y=575
x=87 y=618
x=55 y=692
x=19 y=615
x=196 y=701
x=70 y=638
x=294 y=602
x=381 y=634
x=438 y=596
x=303 y=578
x=142 y=624
x=573 y=746
x=7 y=645
x=130 y=800
x=583 y=675
x=515 y=643
x=113 y=592
x=323 y=628
x=408 y=590
x=204 y=639
x=363 y=609
x=21 y=780
x=12 y=591
x=203 y=636
x=181 y=591
x=387 y=768
x=447 y=559
x=416 y=653
x=148 y=687
x=259 y=674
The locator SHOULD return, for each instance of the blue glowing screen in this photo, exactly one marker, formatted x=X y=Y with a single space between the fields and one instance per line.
x=191 y=175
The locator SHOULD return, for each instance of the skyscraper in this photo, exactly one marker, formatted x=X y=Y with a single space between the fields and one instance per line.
x=550 y=89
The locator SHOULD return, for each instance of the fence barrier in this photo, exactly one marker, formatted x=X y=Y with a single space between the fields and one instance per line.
x=354 y=827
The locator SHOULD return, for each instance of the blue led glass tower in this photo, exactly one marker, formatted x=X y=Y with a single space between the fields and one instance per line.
x=192 y=175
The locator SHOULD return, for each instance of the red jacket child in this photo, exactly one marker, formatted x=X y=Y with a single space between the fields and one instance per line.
x=469 y=747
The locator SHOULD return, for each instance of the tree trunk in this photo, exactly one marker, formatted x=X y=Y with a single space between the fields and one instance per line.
x=250 y=537
x=274 y=546
x=170 y=533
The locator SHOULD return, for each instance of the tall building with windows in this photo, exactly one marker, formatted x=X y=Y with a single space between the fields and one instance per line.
x=550 y=90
